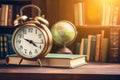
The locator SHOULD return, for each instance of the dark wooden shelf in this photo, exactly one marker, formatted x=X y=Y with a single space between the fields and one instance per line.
x=91 y=71
x=6 y=29
x=16 y=2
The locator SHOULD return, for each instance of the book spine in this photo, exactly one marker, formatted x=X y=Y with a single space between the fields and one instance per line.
x=76 y=20
x=10 y=15
x=92 y=48
x=101 y=45
x=106 y=14
x=114 y=15
x=5 y=46
x=79 y=16
x=1 y=47
x=105 y=50
x=9 y=42
x=97 y=49
x=2 y=18
x=77 y=49
x=85 y=46
x=89 y=47
x=114 y=45
x=2 y=54
x=0 y=15
x=82 y=46
x=4 y=15
x=81 y=13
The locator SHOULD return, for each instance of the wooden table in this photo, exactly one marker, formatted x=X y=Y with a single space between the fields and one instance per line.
x=91 y=71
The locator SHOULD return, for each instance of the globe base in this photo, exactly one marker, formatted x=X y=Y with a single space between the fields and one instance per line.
x=64 y=50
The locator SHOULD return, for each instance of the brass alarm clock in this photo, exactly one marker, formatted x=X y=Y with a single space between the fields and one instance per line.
x=31 y=39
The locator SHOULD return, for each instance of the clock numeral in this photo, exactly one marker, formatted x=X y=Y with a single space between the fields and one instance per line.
x=25 y=51
x=36 y=51
x=42 y=41
x=20 y=36
x=24 y=31
x=36 y=31
x=40 y=46
x=30 y=52
x=40 y=35
x=21 y=47
x=30 y=30
x=18 y=41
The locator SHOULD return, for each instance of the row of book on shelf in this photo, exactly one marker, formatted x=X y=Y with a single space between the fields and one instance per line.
x=95 y=47
x=5 y=45
x=96 y=14
x=6 y=15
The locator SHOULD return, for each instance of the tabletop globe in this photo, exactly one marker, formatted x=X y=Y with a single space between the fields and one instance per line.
x=63 y=32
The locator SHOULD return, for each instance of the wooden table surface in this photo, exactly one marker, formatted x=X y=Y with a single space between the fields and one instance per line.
x=90 y=71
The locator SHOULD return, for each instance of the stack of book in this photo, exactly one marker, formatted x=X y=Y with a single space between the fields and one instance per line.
x=95 y=47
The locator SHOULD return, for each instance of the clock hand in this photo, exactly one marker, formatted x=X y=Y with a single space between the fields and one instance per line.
x=31 y=42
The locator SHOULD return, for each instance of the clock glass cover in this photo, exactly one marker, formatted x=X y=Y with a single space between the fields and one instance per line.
x=29 y=41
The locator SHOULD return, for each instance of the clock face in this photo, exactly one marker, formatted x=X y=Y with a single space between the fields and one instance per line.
x=29 y=41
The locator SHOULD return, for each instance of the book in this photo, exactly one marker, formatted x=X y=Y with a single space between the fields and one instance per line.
x=89 y=47
x=50 y=60
x=4 y=14
x=79 y=11
x=105 y=50
x=101 y=45
x=85 y=46
x=2 y=54
x=9 y=44
x=106 y=14
x=1 y=47
x=77 y=48
x=6 y=45
x=114 y=45
x=92 y=48
x=82 y=46
x=97 y=49
x=114 y=15
x=10 y=15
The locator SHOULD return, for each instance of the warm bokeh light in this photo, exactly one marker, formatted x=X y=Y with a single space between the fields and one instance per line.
x=94 y=10
x=112 y=2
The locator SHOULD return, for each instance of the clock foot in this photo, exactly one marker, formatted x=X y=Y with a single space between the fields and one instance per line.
x=39 y=62
x=20 y=61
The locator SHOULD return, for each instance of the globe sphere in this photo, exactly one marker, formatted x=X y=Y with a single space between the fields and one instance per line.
x=63 y=32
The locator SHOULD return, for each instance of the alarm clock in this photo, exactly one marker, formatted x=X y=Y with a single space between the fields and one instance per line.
x=31 y=39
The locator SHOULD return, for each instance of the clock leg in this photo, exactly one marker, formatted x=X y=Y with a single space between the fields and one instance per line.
x=39 y=62
x=20 y=61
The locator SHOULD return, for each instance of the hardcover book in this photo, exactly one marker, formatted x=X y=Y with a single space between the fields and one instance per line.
x=50 y=60
x=77 y=49
x=97 y=49
x=114 y=45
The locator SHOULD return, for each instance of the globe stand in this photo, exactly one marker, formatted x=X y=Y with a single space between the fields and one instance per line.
x=64 y=50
